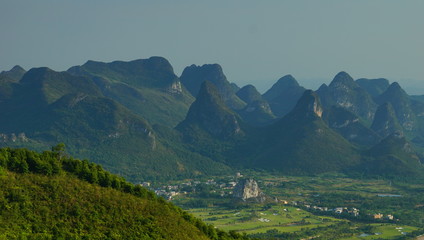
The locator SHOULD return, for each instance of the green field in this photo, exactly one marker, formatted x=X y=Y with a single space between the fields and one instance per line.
x=386 y=231
x=289 y=219
x=256 y=220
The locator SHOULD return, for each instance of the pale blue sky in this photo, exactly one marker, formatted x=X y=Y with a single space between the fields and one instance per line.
x=256 y=42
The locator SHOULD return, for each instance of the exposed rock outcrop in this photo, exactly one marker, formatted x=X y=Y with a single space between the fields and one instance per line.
x=248 y=190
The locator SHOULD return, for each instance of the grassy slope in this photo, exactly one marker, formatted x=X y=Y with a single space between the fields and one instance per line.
x=50 y=196
x=63 y=206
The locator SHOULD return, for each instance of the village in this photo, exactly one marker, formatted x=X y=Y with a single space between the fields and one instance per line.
x=225 y=189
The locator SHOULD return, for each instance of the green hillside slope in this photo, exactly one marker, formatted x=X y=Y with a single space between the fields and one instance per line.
x=51 y=196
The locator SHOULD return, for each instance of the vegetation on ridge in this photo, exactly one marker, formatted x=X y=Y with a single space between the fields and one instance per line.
x=49 y=195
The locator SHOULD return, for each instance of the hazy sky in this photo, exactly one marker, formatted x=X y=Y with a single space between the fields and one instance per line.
x=255 y=42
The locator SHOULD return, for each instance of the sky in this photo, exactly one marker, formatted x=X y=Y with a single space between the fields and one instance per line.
x=255 y=42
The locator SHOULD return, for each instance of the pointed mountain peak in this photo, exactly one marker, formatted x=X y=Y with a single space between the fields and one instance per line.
x=36 y=74
x=393 y=93
x=209 y=113
x=16 y=73
x=193 y=76
x=17 y=68
x=283 y=84
x=249 y=94
x=395 y=87
x=283 y=95
x=343 y=78
x=209 y=93
x=322 y=88
x=308 y=104
x=288 y=81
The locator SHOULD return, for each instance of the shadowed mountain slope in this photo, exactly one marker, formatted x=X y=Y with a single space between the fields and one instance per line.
x=194 y=76
x=283 y=95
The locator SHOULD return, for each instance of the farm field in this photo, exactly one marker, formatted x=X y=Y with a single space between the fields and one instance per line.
x=386 y=231
x=306 y=207
x=258 y=220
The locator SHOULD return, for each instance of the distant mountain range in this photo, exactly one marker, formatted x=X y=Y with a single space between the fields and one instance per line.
x=140 y=120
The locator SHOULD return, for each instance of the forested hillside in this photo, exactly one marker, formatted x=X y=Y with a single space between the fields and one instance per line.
x=50 y=195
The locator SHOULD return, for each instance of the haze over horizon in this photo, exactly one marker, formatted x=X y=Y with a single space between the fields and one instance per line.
x=255 y=43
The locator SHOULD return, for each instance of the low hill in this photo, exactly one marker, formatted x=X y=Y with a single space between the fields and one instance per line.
x=393 y=157
x=51 y=196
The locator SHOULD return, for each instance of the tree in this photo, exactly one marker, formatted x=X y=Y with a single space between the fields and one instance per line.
x=59 y=150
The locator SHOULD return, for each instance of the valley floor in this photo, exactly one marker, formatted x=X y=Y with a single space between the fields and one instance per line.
x=326 y=205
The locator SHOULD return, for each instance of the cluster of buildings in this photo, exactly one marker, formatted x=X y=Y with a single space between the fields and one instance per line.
x=339 y=210
x=170 y=191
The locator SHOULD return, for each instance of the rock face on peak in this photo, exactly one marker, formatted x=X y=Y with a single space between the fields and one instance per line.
x=401 y=104
x=308 y=106
x=283 y=95
x=374 y=87
x=248 y=190
x=385 y=122
x=15 y=74
x=210 y=114
x=193 y=77
x=343 y=91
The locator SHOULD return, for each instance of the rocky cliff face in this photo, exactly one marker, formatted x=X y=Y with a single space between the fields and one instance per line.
x=248 y=189
x=308 y=106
